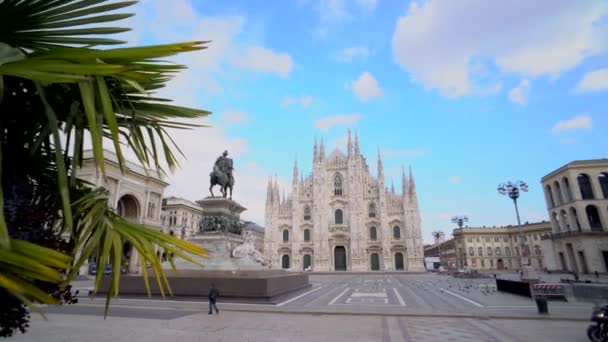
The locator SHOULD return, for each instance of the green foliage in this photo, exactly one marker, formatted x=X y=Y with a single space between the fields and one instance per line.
x=58 y=82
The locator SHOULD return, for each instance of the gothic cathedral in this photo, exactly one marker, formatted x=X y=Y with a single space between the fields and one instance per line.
x=341 y=218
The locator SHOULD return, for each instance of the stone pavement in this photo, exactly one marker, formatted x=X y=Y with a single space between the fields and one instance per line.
x=244 y=326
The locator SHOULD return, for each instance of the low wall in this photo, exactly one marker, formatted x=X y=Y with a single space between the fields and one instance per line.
x=590 y=292
x=514 y=287
x=249 y=286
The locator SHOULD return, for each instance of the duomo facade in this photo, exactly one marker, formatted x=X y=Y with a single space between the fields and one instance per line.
x=342 y=218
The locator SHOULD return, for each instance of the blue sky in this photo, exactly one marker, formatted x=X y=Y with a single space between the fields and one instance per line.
x=470 y=93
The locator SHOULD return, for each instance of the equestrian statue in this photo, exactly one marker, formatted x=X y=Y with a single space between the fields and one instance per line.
x=222 y=175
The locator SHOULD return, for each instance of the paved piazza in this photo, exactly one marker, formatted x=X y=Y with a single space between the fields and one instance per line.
x=348 y=307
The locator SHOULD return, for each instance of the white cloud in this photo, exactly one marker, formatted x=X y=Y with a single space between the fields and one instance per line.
x=455 y=180
x=235 y=117
x=337 y=120
x=365 y=87
x=406 y=153
x=441 y=43
x=348 y=54
x=340 y=143
x=306 y=101
x=287 y=101
x=520 y=93
x=201 y=146
x=593 y=81
x=577 y=122
x=265 y=60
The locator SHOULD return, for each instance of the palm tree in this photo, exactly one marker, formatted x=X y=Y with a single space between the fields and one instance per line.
x=61 y=83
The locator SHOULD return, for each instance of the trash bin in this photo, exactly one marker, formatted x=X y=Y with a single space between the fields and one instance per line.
x=541 y=305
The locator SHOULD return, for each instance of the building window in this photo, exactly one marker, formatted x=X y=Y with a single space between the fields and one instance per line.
x=550 y=193
x=371 y=212
x=487 y=239
x=584 y=183
x=469 y=239
x=480 y=251
x=558 y=189
x=151 y=209
x=306 y=213
x=496 y=239
x=338 y=185
x=568 y=189
x=489 y=251
x=483 y=265
x=537 y=250
x=505 y=239
x=515 y=239
x=286 y=235
x=397 y=232
x=603 y=179
x=285 y=262
x=373 y=234
x=535 y=237
x=478 y=240
x=594 y=218
x=471 y=251
x=306 y=235
x=497 y=251
x=491 y=263
x=507 y=251
x=516 y=251
x=339 y=216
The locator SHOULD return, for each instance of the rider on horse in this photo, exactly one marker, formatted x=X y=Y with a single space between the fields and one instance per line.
x=222 y=174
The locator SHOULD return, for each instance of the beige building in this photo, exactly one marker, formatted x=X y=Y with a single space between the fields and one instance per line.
x=445 y=251
x=136 y=194
x=343 y=218
x=577 y=202
x=181 y=217
x=498 y=248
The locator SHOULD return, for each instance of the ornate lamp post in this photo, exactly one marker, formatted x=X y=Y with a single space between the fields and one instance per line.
x=460 y=220
x=437 y=234
x=513 y=191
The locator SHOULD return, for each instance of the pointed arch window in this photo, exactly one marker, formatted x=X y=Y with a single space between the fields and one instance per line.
x=286 y=235
x=339 y=216
x=371 y=211
x=373 y=234
x=338 y=185
x=306 y=235
x=306 y=213
x=397 y=232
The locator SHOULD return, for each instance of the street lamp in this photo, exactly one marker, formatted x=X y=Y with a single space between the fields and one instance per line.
x=437 y=234
x=513 y=190
x=460 y=220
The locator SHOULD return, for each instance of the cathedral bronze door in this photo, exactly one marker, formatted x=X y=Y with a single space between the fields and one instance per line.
x=340 y=258
x=375 y=262
x=399 y=262
x=307 y=261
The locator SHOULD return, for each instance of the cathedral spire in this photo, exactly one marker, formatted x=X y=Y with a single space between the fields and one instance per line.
x=315 y=157
x=322 y=151
x=357 y=152
x=295 y=171
x=393 y=186
x=413 y=195
x=275 y=191
x=349 y=146
x=380 y=167
x=269 y=191
x=404 y=187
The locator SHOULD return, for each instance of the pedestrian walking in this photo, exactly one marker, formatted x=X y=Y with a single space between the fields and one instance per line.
x=213 y=294
x=597 y=274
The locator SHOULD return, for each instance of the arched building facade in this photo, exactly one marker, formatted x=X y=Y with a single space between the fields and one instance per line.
x=577 y=203
x=342 y=218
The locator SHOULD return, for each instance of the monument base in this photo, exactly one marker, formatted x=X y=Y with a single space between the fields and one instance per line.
x=262 y=287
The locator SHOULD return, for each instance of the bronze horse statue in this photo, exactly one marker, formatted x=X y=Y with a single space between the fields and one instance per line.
x=225 y=181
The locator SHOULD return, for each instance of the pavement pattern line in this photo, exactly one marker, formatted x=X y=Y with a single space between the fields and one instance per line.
x=385 y=334
x=404 y=330
x=399 y=298
x=463 y=298
x=333 y=301
x=300 y=296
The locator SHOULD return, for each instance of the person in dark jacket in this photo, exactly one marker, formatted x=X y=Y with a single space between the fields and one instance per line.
x=213 y=294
